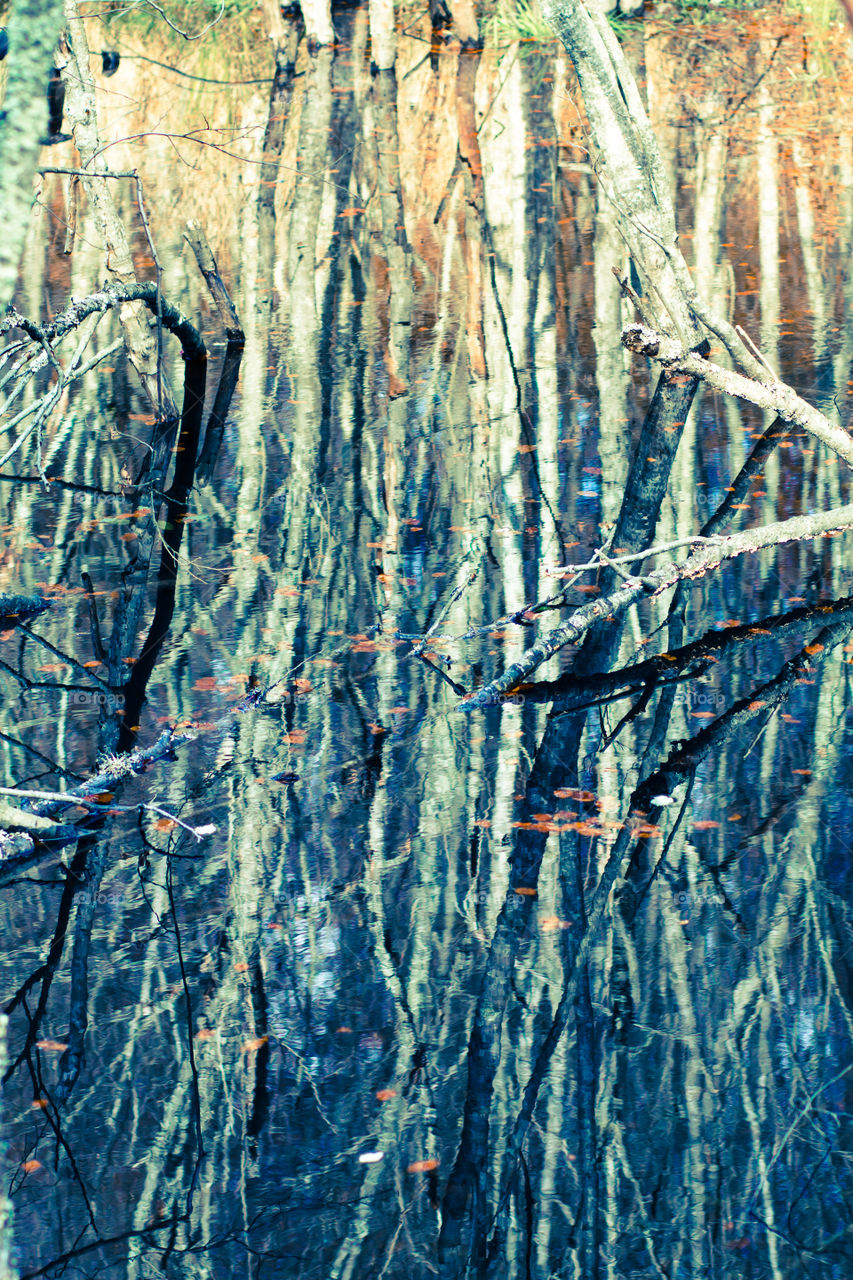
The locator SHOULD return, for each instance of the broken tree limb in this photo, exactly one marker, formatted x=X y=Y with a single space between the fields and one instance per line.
x=775 y=396
x=705 y=560
x=112 y=295
x=197 y=241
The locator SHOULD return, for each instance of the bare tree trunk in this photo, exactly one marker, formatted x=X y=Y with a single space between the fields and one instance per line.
x=627 y=162
x=34 y=27
x=82 y=114
x=383 y=37
x=317 y=15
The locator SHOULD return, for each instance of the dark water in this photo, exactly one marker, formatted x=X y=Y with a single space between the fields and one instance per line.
x=429 y=999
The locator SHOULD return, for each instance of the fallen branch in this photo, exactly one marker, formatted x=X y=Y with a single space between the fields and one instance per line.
x=778 y=397
x=708 y=558
x=12 y=817
x=113 y=295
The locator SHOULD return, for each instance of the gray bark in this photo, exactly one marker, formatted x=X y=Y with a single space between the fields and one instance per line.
x=34 y=27
x=628 y=163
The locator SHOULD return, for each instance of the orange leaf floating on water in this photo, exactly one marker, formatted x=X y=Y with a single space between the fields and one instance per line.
x=30 y=1166
x=251 y=1045
x=422 y=1166
x=241 y=966
x=205 y=1033
x=165 y=824
x=814 y=648
x=384 y=1095
x=351 y=212
x=343 y=1031
x=52 y=1046
x=39 y=1104
x=550 y=923
x=206 y=683
x=573 y=793
x=524 y=891
x=704 y=824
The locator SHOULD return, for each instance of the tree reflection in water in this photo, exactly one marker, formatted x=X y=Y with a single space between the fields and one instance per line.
x=556 y=984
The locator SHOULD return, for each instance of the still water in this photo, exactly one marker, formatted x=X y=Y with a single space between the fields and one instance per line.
x=375 y=1019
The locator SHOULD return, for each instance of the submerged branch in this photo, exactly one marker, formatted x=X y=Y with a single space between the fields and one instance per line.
x=703 y=561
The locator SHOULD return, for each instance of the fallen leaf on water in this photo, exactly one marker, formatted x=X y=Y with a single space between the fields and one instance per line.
x=251 y=1045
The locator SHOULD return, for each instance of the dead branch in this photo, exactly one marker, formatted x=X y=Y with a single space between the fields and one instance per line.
x=775 y=396
x=703 y=561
